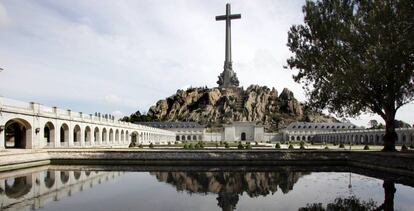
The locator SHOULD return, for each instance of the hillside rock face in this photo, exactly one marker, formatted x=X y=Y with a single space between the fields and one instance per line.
x=217 y=106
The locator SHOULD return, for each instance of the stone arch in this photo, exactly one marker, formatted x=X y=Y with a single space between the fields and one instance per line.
x=104 y=135
x=18 y=133
x=96 y=135
x=189 y=137
x=403 y=139
x=377 y=139
x=49 y=179
x=412 y=138
x=88 y=134
x=64 y=133
x=122 y=136
x=17 y=187
x=127 y=136
x=116 y=135
x=303 y=138
x=49 y=133
x=77 y=174
x=371 y=139
x=134 y=137
x=64 y=177
x=194 y=137
x=77 y=134
x=183 y=137
x=177 y=138
x=243 y=136
x=111 y=135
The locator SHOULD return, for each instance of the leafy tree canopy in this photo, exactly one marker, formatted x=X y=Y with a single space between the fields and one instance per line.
x=138 y=117
x=356 y=56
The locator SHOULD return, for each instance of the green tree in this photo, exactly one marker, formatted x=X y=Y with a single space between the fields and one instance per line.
x=356 y=56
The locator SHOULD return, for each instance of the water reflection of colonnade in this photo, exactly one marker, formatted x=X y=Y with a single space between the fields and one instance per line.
x=32 y=190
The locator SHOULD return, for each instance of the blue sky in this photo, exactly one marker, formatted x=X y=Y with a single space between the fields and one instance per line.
x=122 y=56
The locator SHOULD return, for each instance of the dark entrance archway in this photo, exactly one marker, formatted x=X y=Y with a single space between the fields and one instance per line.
x=64 y=133
x=134 y=137
x=49 y=133
x=243 y=136
x=18 y=133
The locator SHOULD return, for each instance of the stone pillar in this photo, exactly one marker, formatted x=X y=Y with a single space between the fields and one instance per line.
x=71 y=128
x=82 y=135
x=2 y=132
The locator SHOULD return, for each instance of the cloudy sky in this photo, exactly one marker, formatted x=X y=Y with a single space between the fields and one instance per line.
x=121 y=56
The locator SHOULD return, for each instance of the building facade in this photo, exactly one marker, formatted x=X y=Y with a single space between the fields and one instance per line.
x=34 y=126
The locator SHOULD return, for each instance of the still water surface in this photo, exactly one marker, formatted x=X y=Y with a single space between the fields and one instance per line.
x=59 y=188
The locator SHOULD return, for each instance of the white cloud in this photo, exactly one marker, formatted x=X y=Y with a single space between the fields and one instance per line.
x=4 y=17
x=117 y=114
x=124 y=56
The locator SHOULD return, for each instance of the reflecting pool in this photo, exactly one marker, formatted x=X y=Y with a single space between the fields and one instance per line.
x=192 y=188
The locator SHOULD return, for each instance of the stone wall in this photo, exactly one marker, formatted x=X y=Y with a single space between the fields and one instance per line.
x=401 y=163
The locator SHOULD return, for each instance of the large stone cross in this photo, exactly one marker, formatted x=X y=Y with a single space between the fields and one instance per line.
x=228 y=77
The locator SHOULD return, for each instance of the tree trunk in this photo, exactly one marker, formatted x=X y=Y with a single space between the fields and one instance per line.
x=389 y=191
x=390 y=136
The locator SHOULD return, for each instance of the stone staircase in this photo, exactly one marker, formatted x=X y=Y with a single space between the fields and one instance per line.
x=241 y=101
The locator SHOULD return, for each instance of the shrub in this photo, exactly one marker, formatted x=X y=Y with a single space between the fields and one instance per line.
x=169 y=143
x=140 y=146
x=217 y=145
x=190 y=146
x=256 y=143
x=248 y=146
x=366 y=147
x=132 y=144
x=277 y=146
x=221 y=143
x=412 y=146
x=197 y=146
x=335 y=143
x=326 y=147
x=312 y=143
x=341 y=145
x=151 y=145
x=404 y=147
x=226 y=145
x=176 y=142
x=290 y=146
x=240 y=146
x=185 y=146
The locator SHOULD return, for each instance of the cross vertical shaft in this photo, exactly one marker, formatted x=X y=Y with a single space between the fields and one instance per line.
x=228 y=77
x=228 y=33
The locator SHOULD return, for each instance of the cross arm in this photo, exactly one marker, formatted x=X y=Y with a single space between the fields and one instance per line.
x=221 y=17
x=235 y=16
x=224 y=17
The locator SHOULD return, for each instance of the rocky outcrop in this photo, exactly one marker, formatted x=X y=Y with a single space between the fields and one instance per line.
x=216 y=106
